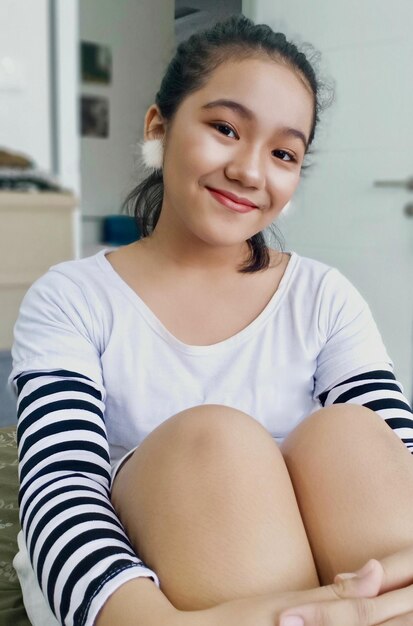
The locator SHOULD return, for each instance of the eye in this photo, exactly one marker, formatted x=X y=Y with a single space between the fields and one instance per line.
x=225 y=126
x=284 y=153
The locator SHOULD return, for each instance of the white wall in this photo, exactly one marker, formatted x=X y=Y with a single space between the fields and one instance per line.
x=65 y=91
x=339 y=216
x=38 y=85
x=24 y=79
x=141 y=38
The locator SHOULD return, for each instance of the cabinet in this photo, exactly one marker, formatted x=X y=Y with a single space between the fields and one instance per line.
x=37 y=230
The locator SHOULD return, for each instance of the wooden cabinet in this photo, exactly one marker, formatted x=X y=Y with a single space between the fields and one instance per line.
x=37 y=230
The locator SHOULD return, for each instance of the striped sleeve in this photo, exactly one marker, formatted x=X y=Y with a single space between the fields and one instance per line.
x=378 y=390
x=77 y=546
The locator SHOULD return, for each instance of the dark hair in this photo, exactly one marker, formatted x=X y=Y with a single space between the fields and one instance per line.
x=195 y=59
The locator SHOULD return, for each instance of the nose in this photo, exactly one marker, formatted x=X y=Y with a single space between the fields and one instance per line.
x=247 y=167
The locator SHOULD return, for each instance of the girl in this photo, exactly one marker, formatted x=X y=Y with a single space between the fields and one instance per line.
x=202 y=419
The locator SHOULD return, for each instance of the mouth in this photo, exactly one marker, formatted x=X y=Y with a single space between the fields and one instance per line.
x=231 y=203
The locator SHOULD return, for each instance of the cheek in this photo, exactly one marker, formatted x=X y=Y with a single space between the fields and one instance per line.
x=284 y=183
x=201 y=152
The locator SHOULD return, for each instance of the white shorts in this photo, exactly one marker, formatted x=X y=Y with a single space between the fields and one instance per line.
x=37 y=608
x=118 y=465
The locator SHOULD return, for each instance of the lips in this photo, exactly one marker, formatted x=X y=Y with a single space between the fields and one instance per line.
x=230 y=204
x=233 y=197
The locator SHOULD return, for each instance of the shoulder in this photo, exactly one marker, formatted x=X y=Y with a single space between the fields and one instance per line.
x=324 y=287
x=314 y=266
x=68 y=289
x=76 y=268
x=328 y=277
x=80 y=274
x=307 y=272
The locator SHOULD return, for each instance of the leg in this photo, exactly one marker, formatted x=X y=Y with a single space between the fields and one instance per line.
x=208 y=504
x=353 y=478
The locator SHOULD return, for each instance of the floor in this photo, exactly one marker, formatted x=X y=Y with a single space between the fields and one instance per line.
x=8 y=413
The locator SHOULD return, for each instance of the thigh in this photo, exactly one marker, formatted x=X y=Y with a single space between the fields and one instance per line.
x=208 y=504
x=353 y=478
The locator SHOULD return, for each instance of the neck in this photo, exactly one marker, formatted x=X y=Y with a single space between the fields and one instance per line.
x=180 y=249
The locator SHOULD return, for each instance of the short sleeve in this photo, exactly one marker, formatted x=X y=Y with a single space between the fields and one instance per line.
x=54 y=330
x=348 y=332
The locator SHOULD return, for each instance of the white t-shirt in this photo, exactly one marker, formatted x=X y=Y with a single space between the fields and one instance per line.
x=96 y=371
x=315 y=330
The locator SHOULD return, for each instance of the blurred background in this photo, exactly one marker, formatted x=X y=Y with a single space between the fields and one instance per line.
x=76 y=79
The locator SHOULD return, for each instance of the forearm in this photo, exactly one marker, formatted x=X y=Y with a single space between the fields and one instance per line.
x=77 y=546
x=139 y=602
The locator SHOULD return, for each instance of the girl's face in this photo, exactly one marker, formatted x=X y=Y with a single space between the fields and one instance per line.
x=253 y=148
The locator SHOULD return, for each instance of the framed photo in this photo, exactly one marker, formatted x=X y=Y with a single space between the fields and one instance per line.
x=96 y=62
x=94 y=116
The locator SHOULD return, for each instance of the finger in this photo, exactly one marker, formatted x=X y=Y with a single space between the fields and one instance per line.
x=356 y=611
x=368 y=585
x=398 y=570
x=339 y=590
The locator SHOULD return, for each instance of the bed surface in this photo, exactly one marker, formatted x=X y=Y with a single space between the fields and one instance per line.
x=12 y=612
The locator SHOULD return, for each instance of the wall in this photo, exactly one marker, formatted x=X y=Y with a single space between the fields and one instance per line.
x=24 y=79
x=141 y=37
x=65 y=86
x=339 y=215
x=38 y=84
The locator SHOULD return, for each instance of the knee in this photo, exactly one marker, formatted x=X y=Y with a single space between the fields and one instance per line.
x=220 y=427
x=335 y=424
x=200 y=436
x=210 y=449
x=348 y=417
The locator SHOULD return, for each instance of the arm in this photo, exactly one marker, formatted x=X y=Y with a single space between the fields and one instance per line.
x=392 y=606
x=79 y=551
x=77 y=546
x=138 y=603
x=353 y=365
x=378 y=390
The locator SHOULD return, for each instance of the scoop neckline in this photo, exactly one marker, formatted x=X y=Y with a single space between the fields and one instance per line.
x=156 y=324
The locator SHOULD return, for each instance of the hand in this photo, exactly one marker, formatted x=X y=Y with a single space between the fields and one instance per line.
x=392 y=606
x=265 y=609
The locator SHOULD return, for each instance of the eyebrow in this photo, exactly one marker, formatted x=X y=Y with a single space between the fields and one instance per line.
x=247 y=114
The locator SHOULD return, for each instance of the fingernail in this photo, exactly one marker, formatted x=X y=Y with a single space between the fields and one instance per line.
x=292 y=620
x=346 y=576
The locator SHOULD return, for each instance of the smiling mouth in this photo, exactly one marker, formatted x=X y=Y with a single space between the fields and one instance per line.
x=231 y=204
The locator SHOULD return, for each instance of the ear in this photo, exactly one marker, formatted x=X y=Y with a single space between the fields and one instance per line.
x=154 y=125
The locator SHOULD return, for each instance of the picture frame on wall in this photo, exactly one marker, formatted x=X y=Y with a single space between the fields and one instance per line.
x=94 y=116
x=96 y=63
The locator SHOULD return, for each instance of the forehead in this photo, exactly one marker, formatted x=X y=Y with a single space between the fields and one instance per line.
x=270 y=89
